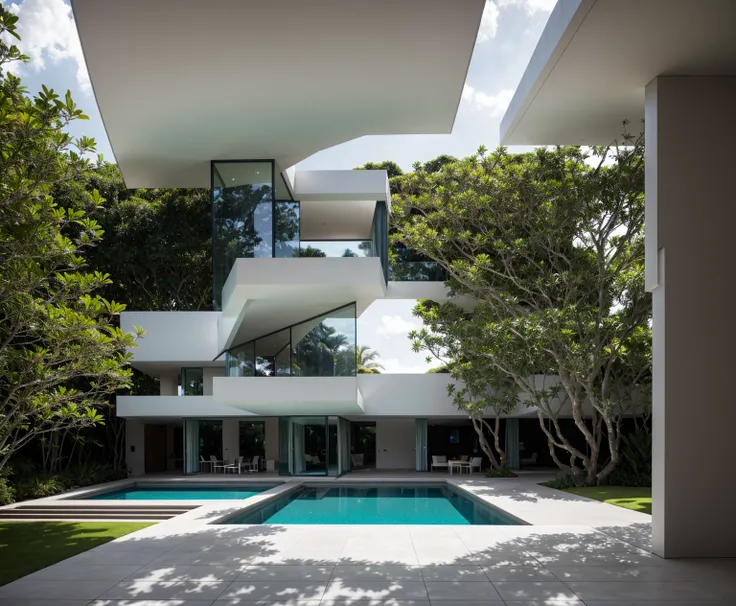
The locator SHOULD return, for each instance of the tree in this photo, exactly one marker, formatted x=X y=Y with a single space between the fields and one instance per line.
x=310 y=251
x=391 y=168
x=479 y=388
x=552 y=249
x=61 y=354
x=366 y=361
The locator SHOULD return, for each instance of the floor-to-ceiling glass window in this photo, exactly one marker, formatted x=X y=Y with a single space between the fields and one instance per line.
x=192 y=381
x=242 y=217
x=210 y=440
x=251 y=437
x=286 y=229
x=325 y=346
x=314 y=446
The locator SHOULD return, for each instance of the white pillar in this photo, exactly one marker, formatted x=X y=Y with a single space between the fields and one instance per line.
x=691 y=250
x=230 y=439
x=168 y=384
x=135 y=450
x=271 y=437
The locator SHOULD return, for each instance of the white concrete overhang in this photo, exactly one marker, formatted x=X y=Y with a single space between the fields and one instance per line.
x=181 y=82
x=261 y=296
x=174 y=407
x=595 y=58
x=272 y=396
x=173 y=339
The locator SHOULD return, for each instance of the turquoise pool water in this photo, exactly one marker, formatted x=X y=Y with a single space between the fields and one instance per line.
x=374 y=505
x=182 y=493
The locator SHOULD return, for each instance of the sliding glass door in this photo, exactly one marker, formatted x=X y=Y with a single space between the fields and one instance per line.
x=313 y=446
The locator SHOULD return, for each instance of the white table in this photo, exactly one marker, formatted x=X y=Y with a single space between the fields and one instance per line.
x=456 y=463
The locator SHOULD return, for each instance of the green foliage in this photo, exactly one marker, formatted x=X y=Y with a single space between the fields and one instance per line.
x=366 y=361
x=551 y=248
x=391 y=168
x=7 y=492
x=500 y=472
x=61 y=353
x=37 y=487
x=635 y=468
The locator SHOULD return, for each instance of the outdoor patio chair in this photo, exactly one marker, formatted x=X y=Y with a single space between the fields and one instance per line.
x=204 y=462
x=237 y=465
x=214 y=462
x=219 y=464
x=474 y=462
x=529 y=462
x=438 y=461
x=357 y=460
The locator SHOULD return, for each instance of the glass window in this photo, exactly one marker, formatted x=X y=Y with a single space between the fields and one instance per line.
x=336 y=248
x=192 y=381
x=240 y=361
x=286 y=229
x=270 y=350
x=325 y=346
x=242 y=221
x=210 y=440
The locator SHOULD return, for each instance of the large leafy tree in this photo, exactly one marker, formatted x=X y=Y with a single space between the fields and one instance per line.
x=61 y=354
x=479 y=389
x=550 y=244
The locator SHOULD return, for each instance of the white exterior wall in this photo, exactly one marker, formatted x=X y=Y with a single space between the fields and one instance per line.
x=395 y=444
x=135 y=454
x=691 y=210
x=208 y=375
x=169 y=384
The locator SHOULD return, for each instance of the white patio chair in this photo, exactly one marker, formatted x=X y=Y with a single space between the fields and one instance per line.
x=214 y=461
x=203 y=463
x=474 y=462
x=218 y=464
x=254 y=465
x=438 y=461
x=357 y=460
x=237 y=465
x=529 y=462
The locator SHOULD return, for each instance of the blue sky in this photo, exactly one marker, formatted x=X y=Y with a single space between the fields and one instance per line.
x=508 y=35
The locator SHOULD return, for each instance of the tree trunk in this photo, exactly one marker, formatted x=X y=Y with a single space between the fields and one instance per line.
x=484 y=446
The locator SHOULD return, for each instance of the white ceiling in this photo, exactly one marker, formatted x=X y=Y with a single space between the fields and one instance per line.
x=595 y=58
x=336 y=220
x=182 y=82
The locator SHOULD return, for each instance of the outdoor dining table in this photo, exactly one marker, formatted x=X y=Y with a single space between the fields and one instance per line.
x=456 y=463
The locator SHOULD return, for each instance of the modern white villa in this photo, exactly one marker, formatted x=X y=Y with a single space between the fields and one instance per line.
x=297 y=256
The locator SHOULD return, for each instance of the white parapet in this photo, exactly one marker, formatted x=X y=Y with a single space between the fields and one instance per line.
x=175 y=407
x=294 y=396
x=176 y=338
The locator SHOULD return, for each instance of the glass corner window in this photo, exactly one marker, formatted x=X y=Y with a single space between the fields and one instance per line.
x=192 y=381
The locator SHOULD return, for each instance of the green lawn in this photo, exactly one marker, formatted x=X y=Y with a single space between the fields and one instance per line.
x=29 y=546
x=638 y=499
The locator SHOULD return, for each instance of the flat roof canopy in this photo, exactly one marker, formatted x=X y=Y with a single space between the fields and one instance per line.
x=595 y=58
x=183 y=82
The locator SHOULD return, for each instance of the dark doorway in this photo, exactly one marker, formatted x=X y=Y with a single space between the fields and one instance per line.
x=362 y=445
x=154 y=437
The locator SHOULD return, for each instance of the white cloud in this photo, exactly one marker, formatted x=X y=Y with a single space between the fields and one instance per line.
x=488 y=23
x=396 y=325
x=396 y=366
x=530 y=6
x=494 y=105
x=48 y=34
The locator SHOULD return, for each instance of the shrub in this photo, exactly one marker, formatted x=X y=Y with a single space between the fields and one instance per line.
x=38 y=487
x=500 y=473
x=7 y=492
x=635 y=466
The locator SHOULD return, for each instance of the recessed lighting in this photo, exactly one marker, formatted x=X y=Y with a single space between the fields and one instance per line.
x=233 y=178
x=258 y=172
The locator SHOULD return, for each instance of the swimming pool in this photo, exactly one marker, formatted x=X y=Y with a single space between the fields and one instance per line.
x=386 y=504
x=183 y=493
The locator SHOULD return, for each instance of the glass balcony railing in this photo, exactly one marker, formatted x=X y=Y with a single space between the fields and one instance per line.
x=336 y=248
x=323 y=346
x=417 y=271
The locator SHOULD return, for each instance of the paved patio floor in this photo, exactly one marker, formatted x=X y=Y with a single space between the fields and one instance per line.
x=598 y=561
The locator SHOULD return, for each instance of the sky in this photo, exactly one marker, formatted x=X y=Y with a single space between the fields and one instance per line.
x=508 y=34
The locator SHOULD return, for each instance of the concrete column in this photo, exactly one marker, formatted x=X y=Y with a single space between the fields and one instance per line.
x=169 y=384
x=690 y=245
x=230 y=439
x=135 y=447
x=271 y=436
x=208 y=374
